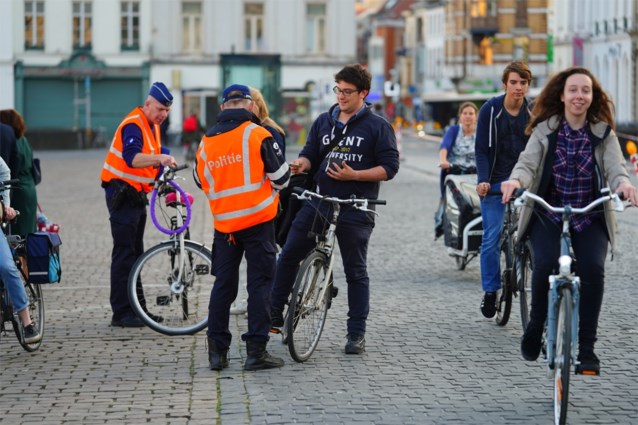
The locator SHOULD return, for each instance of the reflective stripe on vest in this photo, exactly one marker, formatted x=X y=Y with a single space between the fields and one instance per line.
x=116 y=168
x=237 y=202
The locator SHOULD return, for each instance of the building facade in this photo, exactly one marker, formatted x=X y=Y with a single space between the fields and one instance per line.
x=602 y=37
x=81 y=65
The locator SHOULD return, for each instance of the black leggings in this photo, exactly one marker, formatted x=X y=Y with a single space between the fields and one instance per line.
x=590 y=250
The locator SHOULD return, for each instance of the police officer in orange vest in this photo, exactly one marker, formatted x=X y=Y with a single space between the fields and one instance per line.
x=241 y=169
x=130 y=168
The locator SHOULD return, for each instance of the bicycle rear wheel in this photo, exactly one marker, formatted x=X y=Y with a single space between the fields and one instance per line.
x=524 y=266
x=165 y=304
x=36 y=311
x=308 y=308
x=504 y=295
x=562 y=356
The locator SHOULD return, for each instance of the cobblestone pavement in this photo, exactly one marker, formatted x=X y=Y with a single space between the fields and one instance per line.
x=431 y=357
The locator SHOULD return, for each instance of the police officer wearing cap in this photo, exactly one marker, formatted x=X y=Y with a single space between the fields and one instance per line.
x=241 y=169
x=128 y=174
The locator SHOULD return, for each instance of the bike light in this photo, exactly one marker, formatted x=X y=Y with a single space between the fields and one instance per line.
x=565 y=265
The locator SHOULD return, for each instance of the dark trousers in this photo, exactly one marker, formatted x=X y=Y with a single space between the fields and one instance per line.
x=353 y=234
x=127 y=229
x=258 y=244
x=590 y=250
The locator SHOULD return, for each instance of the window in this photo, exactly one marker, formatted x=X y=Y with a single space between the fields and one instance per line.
x=253 y=26
x=192 y=26
x=130 y=25
x=483 y=8
x=82 y=15
x=34 y=24
x=315 y=27
x=486 y=52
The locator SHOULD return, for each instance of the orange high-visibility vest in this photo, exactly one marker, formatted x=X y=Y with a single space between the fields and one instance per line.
x=232 y=174
x=116 y=168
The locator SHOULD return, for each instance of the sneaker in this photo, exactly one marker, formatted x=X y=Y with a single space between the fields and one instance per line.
x=31 y=334
x=276 y=317
x=531 y=342
x=488 y=305
x=356 y=344
x=589 y=363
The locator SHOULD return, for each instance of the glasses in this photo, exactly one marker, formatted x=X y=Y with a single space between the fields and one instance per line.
x=345 y=92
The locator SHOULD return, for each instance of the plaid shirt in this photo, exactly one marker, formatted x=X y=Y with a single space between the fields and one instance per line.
x=572 y=173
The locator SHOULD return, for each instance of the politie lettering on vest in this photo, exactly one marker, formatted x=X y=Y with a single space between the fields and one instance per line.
x=222 y=161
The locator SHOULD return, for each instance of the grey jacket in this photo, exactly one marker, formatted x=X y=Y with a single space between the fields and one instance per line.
x=610 y=168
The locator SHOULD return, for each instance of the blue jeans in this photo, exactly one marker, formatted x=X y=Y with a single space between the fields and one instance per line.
x=492 y=212
x=11 y=276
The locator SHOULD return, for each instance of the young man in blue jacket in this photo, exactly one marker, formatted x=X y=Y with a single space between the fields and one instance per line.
x=364 y=154
x=500 y=138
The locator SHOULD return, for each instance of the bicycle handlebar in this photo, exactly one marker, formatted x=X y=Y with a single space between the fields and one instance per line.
x=618 y=205
x=359 y=203
x=168 y=173
x=11 y=182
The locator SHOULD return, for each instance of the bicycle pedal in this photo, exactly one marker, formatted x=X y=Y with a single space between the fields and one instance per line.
x=274 y=330
x=579 y=371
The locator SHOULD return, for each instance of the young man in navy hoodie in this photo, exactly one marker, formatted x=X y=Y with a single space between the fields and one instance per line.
x=364 y=154
x=500 y=138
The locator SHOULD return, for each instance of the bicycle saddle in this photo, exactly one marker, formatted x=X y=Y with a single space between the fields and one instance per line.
x=171 y=199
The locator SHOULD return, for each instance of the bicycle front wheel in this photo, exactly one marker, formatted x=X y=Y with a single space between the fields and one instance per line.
x=168 y=298
x=308 y=306
x=562 y=356
x=504 y=295
x=36 y=311
x=524 y=267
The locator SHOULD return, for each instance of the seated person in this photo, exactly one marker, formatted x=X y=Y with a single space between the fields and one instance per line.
x=457 y=148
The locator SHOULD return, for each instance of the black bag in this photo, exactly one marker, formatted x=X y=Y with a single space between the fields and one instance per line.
x=290 y=205
x=457 y=214
x=43 y=257
x=36 y=171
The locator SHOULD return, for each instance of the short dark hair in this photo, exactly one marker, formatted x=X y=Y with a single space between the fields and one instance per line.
x=519 y=67
x=355 y=74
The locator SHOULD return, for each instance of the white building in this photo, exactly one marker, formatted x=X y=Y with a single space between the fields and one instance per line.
x=597 y=35
x=77 y=64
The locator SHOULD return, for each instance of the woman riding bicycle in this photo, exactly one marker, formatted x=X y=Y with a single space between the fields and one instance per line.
x=571 y=155
x=9 y=273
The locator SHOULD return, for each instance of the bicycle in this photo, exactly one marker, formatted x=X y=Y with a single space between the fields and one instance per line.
x=561 y=326
x=314 y=288
x=34 y=292
x=507 y=255
x=167 y=284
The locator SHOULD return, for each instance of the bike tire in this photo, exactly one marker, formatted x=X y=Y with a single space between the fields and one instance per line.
x=461 y=262
x=504 y=295
x=181 y=313
x=524 y=265
x=36 y=311
x=306 y=312
x=562 y=356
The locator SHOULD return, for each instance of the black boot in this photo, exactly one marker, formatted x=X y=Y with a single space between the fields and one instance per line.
x=216 y=358
x=258 y=358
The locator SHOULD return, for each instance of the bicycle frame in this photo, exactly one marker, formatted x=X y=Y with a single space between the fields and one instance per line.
x=325 y=244
x=557 y=283
x=179 y=227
